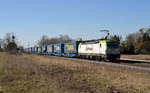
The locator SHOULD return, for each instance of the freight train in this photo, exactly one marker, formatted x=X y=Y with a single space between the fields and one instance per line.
x=91 y=49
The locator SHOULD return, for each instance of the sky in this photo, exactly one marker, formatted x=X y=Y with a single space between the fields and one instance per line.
x=30 y=19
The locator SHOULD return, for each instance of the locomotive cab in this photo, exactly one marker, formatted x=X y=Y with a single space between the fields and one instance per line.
x=112 y=51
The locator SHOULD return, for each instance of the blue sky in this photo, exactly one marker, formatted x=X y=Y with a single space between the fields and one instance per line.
x=30 y=19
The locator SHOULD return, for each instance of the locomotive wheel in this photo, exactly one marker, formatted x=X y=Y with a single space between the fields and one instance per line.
x=98 y=58
x=93 y=58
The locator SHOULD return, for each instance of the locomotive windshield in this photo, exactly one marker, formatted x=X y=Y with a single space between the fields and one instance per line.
x=112 y=45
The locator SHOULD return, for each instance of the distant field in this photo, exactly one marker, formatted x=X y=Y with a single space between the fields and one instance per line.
x=41 y=74
x=138 y=57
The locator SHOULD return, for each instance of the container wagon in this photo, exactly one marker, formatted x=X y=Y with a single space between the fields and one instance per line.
x=58 y=49
x=36 y=50
x=44 y=50
x=39 y=50
x=50 y=49
x=71 y=49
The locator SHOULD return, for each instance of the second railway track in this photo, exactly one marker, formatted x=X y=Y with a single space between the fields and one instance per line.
x=121 y=63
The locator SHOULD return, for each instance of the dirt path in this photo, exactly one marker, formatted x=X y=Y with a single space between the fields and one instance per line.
x=40 y=74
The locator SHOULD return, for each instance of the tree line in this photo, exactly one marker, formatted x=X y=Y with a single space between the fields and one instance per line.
x=45 y=40
x=134 y=43
x=137 y=43
x=9 y=43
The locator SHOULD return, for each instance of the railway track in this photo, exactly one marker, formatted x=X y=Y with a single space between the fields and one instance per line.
x=125 y=64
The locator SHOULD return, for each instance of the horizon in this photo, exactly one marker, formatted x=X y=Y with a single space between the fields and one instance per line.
x=29 y=20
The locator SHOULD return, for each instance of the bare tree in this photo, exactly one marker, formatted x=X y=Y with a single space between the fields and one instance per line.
x=61 y=39
x=137 y=42
x=64 y=39
x=10 y=42
x=44 y=40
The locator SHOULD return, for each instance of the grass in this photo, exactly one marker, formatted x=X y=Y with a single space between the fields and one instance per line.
x=2 y=69
x=41 y=74
x=3 y=60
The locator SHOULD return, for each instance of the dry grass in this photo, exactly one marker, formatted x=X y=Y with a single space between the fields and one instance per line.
x=40 y=74
x=138 y=57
